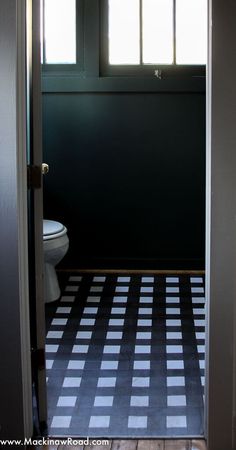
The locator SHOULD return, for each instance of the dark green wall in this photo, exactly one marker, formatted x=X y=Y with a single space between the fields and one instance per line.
x=127 y=177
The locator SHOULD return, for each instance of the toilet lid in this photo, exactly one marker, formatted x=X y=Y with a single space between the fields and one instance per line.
x=51 y=227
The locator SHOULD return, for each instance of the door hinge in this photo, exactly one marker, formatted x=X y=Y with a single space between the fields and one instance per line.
x=38 y=358
x=34 y=177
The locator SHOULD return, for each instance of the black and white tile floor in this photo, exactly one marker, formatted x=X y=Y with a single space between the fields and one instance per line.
x=125 y=356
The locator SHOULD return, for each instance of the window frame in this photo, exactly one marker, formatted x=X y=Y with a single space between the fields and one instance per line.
x=68 y=68
x=164 y=71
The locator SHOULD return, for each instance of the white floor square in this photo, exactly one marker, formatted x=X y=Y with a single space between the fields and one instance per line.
x=147 y=289
x=63 y=310
x=114 y=335
x=197 y=311
x=174 y=349
x=75 y=278
x=140 y=382
x=109 y=349
x=172 y=279
x=120 y=299
x=49 y=363
x=197 y=290
x=103 y=401
x=84 y=335
x=146 y=300
x=199 y=300
x=61 y=421
x=67 y=299
x=176 y=400
x=76 y=365
x=175 y=381
x=122 y=289
x=93 y=299
x=96 y=289
x=176 y=422
x=143 y=335
x=99 y=422
x=172 y=299
x=144 y=322
x=137 y=422
x=99 y=279
x=173 y=323
x=118 y=310
x=66 y=401
x=54 y=334
x=174 y=335
x=80 y=348
x=72 y=288
x=51 y=348
x=196 y=280
x=59 y=321
x=123 y=279
x=173 y=311
x=106 y=382
x=116 y=322
x=109 y=365
x=147 y=280
x=146 y=311
x=142 y=349
x=71 y=382
x=90 y=310
x=139 y=400
x=175 y=364
x=141 y=365
x=170 y=289
x=87 y=322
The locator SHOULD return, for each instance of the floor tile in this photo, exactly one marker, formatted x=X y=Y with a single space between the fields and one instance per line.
x=176 y=422
x=71 y=382
x=137 y=422
x=106 y=382
x=103 y=401
x=99 y=422
x=66 y=401
x=61 y=421
x=139 y=400
x=176 y=400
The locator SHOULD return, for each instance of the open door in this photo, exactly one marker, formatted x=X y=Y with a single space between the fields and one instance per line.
x=35 y=212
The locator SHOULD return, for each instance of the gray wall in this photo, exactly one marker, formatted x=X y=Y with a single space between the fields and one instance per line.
x=14 y=384
x=221 y=243
x=127 y=176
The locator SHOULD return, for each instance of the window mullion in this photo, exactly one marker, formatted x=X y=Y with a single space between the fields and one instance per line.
x=141 y=30
x=174 y=32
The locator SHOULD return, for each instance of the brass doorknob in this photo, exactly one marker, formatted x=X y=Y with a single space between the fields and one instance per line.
x=45 y=168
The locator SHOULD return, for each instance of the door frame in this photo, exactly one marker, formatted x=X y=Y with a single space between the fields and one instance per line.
x=220 y=259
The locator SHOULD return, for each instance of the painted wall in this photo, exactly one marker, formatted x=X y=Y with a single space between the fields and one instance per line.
x=127 y=176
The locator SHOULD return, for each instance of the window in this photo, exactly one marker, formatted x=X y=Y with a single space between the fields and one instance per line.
x=144 y=33
x=61 y=34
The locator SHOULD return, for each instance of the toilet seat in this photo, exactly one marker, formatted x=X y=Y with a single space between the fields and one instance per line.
x=53 y=230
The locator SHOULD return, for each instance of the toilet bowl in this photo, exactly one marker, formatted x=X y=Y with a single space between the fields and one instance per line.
x=55 y=246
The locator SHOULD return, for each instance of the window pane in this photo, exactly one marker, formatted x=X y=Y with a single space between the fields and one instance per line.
x=60 y=31
x=191 y=31
x=158 y=31
x=124 y=32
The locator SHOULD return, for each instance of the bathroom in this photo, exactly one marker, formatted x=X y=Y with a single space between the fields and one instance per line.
x=125 y=147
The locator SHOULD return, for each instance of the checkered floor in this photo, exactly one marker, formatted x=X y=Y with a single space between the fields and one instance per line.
x=125 y=356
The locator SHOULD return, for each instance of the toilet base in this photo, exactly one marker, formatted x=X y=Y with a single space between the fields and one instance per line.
x=52 y=291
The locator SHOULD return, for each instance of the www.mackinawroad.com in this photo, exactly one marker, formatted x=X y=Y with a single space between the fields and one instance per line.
x=56 y=442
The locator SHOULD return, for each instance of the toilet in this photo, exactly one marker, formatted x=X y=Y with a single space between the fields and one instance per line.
x=55 y=246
